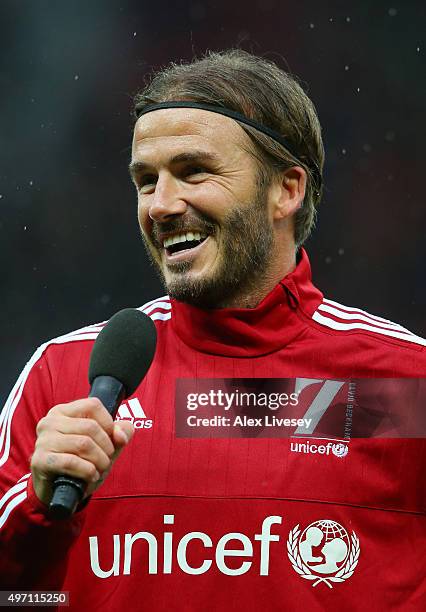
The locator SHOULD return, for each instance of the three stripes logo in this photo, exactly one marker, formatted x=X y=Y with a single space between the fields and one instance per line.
x=133 y=411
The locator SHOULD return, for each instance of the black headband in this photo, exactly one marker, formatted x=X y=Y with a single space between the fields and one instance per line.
x=140 y=110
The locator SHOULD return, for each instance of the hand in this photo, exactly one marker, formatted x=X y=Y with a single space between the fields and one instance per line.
x=77 y=439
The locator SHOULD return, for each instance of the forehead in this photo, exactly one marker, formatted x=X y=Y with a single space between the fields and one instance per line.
x=175 y=130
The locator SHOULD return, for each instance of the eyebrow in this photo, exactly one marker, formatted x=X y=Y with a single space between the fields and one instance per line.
x=139 y=166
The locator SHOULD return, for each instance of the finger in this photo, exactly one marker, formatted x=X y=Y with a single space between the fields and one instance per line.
x=77 y=426
x=87 y=408
x=52 y=464
x=81 y=446
x=122 y=433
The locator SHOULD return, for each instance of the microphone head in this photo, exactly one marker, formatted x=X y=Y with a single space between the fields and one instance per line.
x=124 y=349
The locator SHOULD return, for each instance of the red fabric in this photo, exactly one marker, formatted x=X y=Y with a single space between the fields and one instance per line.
x=223 y=491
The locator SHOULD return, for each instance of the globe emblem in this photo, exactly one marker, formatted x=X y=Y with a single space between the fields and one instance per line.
x=324 y=546
x=323 y=553
x=340 y=449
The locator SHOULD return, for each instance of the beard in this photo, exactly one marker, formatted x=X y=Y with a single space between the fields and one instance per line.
x=246 y=250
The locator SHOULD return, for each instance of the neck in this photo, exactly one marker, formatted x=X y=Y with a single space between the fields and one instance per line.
x=250 y=332
x=261 y=285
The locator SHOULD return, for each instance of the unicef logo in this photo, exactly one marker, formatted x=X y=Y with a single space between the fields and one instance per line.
x=323 y=552
x=340 y=449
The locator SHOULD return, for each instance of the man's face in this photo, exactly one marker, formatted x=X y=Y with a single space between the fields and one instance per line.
x=204 y=220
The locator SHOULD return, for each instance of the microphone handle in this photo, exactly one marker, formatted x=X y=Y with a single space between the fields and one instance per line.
x=67 y=490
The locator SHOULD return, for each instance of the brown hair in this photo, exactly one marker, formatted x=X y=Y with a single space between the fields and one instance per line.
x=261 y=91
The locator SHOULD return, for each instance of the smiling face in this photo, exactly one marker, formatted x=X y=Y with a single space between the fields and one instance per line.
x=205 y=222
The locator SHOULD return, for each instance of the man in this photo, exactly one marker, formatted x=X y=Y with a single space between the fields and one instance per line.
x=227 y=161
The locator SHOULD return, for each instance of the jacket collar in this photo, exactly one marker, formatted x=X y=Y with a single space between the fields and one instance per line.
x=251 y=332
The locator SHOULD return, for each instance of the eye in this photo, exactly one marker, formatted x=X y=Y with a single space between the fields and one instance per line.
x=194 y=171
x=146 y=183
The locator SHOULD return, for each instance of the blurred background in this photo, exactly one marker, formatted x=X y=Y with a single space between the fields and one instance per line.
x=69 y=240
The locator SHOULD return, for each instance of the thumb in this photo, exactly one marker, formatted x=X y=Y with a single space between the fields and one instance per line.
x=122 y=433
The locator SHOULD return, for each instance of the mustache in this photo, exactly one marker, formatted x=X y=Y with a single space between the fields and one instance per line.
x=202 y=225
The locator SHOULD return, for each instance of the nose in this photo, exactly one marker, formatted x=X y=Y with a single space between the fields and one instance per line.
x=167 y=199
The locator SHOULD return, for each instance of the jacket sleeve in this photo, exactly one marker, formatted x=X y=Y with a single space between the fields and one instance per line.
x=33 y=549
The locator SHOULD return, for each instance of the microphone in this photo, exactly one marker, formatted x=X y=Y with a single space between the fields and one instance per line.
x=120 y=358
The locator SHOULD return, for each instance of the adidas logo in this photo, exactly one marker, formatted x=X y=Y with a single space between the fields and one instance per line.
x=133 y=411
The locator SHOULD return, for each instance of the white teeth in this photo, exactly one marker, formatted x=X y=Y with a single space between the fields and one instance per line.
x=187 y=237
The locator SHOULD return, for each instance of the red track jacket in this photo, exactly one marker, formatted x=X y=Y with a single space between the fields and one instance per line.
x=234 y=523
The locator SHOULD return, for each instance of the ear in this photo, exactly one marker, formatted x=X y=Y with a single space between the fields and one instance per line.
x=288 y=195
